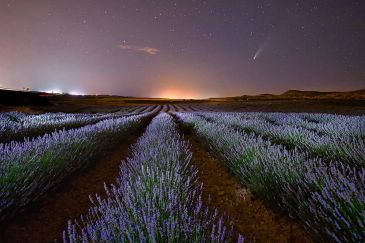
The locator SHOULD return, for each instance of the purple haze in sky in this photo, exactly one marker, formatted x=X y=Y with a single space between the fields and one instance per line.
x=182 y=48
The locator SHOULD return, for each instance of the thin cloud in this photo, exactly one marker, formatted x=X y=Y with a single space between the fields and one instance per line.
x=146 y=49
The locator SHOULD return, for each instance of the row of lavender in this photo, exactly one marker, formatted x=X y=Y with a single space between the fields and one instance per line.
x=328 y=124
x=335 y=138
x=328 y=198
x=157 y=197
x=185 y=107
x=15 y=126
x=29 y=169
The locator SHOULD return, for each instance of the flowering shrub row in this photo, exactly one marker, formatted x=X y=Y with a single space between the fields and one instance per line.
x=157 y=197
x=29 y=169
x=328 y=198
x=327 y=140
x=15 y=126
x=328 y=124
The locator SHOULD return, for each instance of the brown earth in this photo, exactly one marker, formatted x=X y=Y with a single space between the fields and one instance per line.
x=349 y=103
x=46 y=220
x=252 y=218
x=344 y=107
x=319 y=106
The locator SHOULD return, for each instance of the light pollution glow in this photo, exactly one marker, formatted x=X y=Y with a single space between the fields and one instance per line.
x=169 y=93
x=58 y=91
x=178 y=94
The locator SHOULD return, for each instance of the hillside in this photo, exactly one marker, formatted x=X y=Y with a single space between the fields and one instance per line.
x=357 y=94
x=303 y=95
x=13 y=97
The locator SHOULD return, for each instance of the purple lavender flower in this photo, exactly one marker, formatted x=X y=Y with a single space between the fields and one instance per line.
x=29 y=169
x=157 y=197
x=327 y=196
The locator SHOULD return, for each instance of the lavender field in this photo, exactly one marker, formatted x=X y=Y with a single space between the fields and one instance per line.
x=306 y=169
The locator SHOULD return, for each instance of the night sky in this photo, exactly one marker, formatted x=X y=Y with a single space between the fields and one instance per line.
x=189 y=49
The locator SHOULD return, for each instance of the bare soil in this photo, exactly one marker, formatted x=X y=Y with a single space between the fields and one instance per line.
x=102 y=103
x=47 y=219
x=252 y=218
x=344 y=107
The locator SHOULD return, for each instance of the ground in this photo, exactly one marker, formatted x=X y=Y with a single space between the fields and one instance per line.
x=45 y=219
x=94 y=104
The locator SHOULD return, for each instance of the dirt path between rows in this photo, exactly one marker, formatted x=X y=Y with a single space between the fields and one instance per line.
x=254 y=220
x=46 y=220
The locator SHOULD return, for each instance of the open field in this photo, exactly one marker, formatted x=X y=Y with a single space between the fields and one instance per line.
x=181 y=171
x=346 y=103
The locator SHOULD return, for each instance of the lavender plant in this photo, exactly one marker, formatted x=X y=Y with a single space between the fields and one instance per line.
x=17 y=126
x=157 y=197
x=328 y=198
x=29 y=169
x=328 y=124
x=346 y=147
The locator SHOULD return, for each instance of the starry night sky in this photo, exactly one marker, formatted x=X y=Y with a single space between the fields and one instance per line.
x=184 y=48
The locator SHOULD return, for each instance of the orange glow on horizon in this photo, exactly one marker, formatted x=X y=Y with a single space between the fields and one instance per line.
x=181 y=85
x=178 y=94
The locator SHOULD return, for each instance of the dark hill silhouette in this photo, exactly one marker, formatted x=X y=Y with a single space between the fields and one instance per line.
x=303 y=95
x=298 y=93
x=351 y=95
x=13 y=97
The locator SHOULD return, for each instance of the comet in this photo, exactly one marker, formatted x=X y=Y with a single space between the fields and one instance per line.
x=260 y=50
x=257 y=53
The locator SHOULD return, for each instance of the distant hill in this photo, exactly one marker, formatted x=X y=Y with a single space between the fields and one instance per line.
x=351 y=95
x=303 y=95
x=299 y=93
x=13 y=97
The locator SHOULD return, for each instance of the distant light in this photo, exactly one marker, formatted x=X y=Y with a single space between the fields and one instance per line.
x=53 y=91
x=76 y=93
